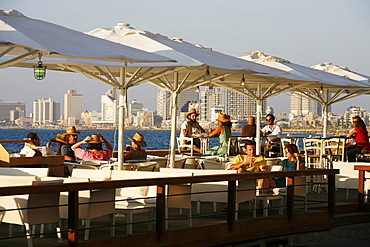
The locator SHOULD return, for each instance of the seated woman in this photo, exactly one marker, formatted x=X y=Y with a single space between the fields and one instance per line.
x=224 y=132
x=135 y=152
x=292 y=163
x=95 y=148
x=361 y=136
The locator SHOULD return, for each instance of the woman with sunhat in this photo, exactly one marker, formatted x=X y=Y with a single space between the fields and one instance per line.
x=94 y=149
x=136 y=153
x=65 y=142
x=223 y=131
x=188 y=125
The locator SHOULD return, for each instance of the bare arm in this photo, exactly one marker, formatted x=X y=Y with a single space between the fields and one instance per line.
x=78 y=144
x=216 y=131
x=352 y=133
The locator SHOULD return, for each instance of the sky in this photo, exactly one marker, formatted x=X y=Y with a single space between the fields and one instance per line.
x=304 y=32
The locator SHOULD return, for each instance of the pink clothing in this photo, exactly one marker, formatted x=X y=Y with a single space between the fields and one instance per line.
x=84 y=154
x=362 y=139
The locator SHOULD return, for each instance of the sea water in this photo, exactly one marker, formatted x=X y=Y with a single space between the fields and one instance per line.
x=154 y=139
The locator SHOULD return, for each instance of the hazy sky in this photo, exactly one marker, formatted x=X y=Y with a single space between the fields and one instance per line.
x=304 y=32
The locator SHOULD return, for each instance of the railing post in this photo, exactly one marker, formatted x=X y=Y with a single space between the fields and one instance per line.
x=290 y=197
x=73 y=218
x=361 y=187
x=331 y=195
x=231 y=203
x=160 y=212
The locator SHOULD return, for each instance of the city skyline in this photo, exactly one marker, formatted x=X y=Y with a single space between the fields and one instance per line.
x=333 y=31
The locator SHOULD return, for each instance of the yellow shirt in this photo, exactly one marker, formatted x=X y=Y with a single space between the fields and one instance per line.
x=259 y=163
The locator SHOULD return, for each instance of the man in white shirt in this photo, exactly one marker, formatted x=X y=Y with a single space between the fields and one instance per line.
x=273 y=134
x=188 y=125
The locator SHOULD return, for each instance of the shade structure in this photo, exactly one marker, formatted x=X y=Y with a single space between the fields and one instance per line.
x=196 y=66
x=339 y=94
x=28 y=38
x=319 y=92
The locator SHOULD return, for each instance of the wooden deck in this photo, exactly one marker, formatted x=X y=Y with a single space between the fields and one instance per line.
x=209 y=228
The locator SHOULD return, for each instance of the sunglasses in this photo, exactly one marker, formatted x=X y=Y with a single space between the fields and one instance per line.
x=268 y=119
x=354 y=121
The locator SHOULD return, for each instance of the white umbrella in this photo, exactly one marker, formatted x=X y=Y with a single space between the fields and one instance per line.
x=198 y=66
x=317 y=91
x=340 y=94
x=28 y=38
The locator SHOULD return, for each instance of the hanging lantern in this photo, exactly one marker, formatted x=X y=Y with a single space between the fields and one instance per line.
x=39 y=71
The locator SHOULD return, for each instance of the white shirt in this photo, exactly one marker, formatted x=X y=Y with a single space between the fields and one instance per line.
x=187 y=125
x=275 y=132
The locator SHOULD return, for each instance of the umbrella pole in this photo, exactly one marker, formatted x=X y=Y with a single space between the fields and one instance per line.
x=121 y=117
x=325 y=111
x=174 y=120
x=259 y=117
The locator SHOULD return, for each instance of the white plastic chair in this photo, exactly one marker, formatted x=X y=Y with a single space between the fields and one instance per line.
x=34 y=209
x=182 y=143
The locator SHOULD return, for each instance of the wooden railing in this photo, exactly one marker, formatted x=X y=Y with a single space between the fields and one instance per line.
x=73 y=189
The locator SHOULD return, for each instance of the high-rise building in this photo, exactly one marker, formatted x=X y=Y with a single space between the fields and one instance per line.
x=133 y=108
x=46 y=111
x=109 y=106
x=164 y=104
x=17 y=109
x=240 y=106
x=185 y=98
x=211 y=97
x=302 y=106
x=73 y=106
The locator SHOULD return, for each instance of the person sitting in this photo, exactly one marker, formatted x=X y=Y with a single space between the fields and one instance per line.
x=188 y=125
x=273 y=134
x=65 y=142
x=361 y=136
x=294 y=162
x=135 y=152
x=95 y=148
x=223 y=131
x=249 y=130
x=249 y=162
x=30 y=148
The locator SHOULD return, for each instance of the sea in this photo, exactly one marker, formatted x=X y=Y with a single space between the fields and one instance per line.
x=154 y=139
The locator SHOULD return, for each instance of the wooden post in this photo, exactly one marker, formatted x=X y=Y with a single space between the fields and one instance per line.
x=290 y=197
x=331 y=195
x=231 y=202
x=361 y=187
x=160 y=212
x=73 y=218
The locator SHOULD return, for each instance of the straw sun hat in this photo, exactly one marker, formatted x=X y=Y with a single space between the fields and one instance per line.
x=191 y=112
x=138 y=139
x=95 y=139
x=71 y=131
x=223 y=117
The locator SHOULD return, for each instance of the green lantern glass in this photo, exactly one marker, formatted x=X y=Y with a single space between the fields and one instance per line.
x=40 y=71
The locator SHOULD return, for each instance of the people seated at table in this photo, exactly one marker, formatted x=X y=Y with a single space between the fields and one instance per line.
x=249 y=130
x=32 y=148
x=94 y=149
x=135 y=151
x=250 y=162
x=293 y=162
x=188 y=125
x=273 y=134
x=361 y=136
x=223 y=131
x=65 y=142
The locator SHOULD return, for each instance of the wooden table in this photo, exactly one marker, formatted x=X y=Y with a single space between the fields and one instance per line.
x=361 y=181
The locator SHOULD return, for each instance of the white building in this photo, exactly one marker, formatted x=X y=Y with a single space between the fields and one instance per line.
x=164 y=104
x=46 y=111
x=109 y=106
x=301 y=106
x=210 y=98
x=73 y=106
x=239 y=106
x=354 y=111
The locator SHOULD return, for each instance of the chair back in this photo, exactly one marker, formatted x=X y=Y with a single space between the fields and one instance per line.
x=182 y=142
x=314 y=148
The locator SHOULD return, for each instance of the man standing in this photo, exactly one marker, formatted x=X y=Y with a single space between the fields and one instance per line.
x=188 y=125
x=273 y=134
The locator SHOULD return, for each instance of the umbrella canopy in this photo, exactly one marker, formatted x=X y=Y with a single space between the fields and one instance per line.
x=328 y=82
x=27 y=38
